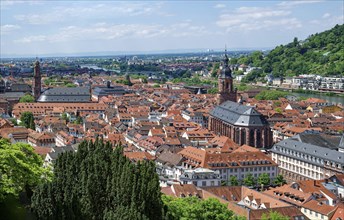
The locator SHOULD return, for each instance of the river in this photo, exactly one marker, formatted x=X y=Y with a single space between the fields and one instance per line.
x=330 y=99
x=90 y=66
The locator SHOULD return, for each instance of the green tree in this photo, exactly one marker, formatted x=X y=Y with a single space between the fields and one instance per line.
x=216 y=67
x=263 y=179
x=27 y=98
x=20 y=169
x=234 y=181
x=197 y=209
x=14 y=121
x=213 y=91
x=97 y=182
x=27 y=120
x=278 y=110
x=78 y=120
x=279 y=180
x=65 y=117
x=72 y=85
x=274 y=216
x=270 y=95
x=249 y=180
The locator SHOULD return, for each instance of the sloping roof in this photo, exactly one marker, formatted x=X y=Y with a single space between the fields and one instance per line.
x=20 y=87
x=237 y=114
x=307 y=149
x=319 y=207
x=116 y=90
x=322 y=140
x=290 y=211
x=66 y=94
x=171 y=158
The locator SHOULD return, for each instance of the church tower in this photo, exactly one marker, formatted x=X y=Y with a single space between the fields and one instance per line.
x=225 y=83
x=36 y=83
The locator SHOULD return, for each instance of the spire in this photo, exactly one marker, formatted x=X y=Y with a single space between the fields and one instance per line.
x=225 y=61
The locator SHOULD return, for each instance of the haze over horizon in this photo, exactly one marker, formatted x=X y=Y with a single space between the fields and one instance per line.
x=36 y=28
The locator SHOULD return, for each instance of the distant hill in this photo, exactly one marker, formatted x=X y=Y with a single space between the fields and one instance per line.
x=321 y=53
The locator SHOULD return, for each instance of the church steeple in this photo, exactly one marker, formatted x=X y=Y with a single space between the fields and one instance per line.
x=36 y=83
x=225 y=83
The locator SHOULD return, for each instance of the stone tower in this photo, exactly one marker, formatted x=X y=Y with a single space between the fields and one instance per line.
x=36 y=84
x=225 y=83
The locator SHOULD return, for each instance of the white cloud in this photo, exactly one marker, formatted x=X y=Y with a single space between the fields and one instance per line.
x=328 y=21
x=39 y=19
x=326 y=15
x=104 y=31
x=256 y=18
x=295 y=3
x=220 y=6
x=7 y=28
x=73 y=13
x=31 y=39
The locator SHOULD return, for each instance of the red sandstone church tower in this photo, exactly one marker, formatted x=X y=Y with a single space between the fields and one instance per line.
x=241 y=123
x=36 y=84
x=225 y=83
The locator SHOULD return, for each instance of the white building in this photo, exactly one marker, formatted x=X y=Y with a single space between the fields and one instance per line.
x=201 y=177
x=308 y=156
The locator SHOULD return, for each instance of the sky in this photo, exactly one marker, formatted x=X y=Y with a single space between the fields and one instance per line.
x=38 y=28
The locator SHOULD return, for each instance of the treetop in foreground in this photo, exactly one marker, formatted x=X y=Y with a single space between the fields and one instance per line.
x=20 y=169
x=99 y=182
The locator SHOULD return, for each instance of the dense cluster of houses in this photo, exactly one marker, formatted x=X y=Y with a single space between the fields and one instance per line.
x=171 y=127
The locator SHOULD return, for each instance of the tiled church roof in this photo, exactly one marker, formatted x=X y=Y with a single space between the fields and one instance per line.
x=237 y=114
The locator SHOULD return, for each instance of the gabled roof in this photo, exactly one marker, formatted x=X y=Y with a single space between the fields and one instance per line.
x=237 y=114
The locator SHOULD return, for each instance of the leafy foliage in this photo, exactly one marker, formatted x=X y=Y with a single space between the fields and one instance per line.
x=27 y=120
x=27 y=98
x=213 y=91
x=279 y=180
x=197 y=209
x=252 y=76
x=20 y=169
x=65 y=117
x=249 y=180
x=270 y=95
x=263 y=179
x=97 y=182
x=234 y=181
x=78 y=120
x=321 y=53
x=274 y=216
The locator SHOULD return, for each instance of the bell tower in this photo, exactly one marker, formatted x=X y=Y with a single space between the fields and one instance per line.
x=225 y=83
x=36 y=83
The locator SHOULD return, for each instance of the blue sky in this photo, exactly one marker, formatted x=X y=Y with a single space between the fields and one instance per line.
x=50 y=27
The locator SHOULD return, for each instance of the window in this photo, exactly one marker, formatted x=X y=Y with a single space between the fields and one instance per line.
x=204 y=183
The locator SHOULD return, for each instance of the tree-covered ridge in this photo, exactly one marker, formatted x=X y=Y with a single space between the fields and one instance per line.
x=321 y=53
x=97 y=182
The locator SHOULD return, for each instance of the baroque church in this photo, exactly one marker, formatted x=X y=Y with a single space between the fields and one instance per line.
x=243 y=124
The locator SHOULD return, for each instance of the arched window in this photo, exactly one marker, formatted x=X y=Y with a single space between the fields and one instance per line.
x=243 y=136
x=251 y=137
x=259 y=138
